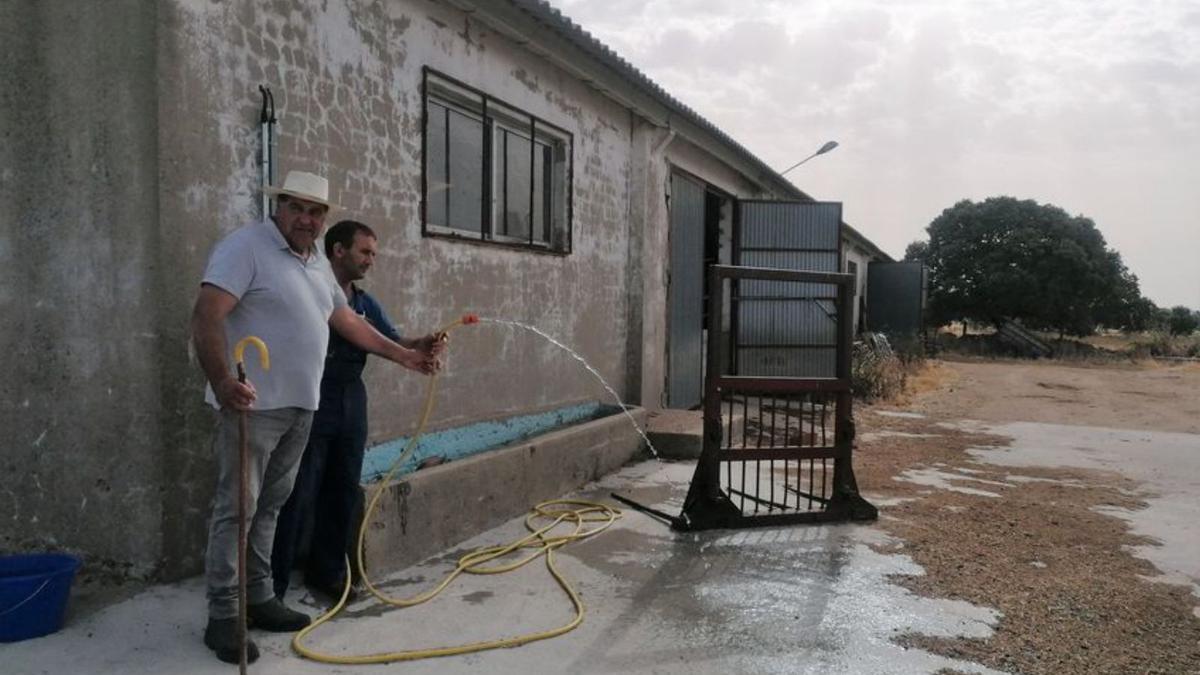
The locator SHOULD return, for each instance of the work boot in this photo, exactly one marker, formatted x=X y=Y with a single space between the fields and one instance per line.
x=221 y=636
x=274 y=617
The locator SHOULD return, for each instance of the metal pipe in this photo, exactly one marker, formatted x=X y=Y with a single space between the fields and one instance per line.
x=266 y=132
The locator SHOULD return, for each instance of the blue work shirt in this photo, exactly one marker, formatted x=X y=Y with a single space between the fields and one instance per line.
x=345 y=362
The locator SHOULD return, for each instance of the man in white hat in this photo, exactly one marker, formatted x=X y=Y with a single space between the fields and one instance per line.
x=269 y=279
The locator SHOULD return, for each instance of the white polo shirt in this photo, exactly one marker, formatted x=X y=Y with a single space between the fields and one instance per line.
x=283 y=300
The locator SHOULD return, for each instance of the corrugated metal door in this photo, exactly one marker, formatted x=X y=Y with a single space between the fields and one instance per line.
x=896 y=293
x=685 y=294
x=784 y=328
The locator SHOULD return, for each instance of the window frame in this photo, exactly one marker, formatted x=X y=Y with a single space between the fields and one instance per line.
x=496 y=114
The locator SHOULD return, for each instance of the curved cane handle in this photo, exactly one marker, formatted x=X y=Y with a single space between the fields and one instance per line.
x=240 y=348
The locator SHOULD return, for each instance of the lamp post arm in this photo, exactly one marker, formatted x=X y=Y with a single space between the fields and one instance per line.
x=798 y=163
x=829 y=145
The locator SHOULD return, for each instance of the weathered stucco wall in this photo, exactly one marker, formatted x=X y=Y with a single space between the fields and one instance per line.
x=121 y=170
x=685 y=155
x=649 y=225
x=81 y=456
x=346 y=78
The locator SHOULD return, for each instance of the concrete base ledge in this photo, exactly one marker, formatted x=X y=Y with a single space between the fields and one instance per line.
x=436 y=508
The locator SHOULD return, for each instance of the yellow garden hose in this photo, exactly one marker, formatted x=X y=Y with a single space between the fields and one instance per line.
x=544 y=518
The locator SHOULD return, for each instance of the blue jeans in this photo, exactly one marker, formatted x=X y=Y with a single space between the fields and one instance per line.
x=276 y=440
x=327 y=489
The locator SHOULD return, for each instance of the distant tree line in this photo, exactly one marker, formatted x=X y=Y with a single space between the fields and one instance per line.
x=1006 y=258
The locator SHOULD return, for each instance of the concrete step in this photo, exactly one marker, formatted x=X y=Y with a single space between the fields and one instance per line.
x=676 y=434
x=679 y=434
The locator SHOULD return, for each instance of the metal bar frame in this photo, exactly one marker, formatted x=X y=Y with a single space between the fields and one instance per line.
x=710 y=502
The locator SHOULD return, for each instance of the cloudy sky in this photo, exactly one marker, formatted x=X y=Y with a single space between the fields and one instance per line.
x=1092 y=105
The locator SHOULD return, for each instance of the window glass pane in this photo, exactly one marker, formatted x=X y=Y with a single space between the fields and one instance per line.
x=521 y=195
x=517 y=175
x=435 y=166
x=560 y=175
x=541 y=191
x=466 y=172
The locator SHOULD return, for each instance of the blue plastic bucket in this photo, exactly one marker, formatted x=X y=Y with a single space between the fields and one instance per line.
x=33 y=593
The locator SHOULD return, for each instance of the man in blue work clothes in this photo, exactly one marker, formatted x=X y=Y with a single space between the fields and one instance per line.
x=268 y=279
x=327 y=486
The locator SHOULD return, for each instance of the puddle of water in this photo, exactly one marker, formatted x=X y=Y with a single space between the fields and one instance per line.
x=1165 y=463
x=887 y=433
x=942 y=481
x=898 y=413
x=787 y=600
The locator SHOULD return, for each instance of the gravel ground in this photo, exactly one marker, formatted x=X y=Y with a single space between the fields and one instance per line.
x=1073 y=598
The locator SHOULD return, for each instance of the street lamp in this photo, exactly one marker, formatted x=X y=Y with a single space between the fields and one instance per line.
x=824 y=149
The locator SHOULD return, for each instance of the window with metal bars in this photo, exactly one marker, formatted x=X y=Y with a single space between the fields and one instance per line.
x=492 y=172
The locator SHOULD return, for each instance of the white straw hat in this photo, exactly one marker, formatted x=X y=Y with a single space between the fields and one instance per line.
x=303 y=185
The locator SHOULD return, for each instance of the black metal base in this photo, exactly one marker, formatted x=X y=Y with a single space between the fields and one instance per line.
x=667 y=518
x=719 y=512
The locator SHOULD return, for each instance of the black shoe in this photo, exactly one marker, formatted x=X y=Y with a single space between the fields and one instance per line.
x=273 y=616
x=221 y=636
x=332 y=591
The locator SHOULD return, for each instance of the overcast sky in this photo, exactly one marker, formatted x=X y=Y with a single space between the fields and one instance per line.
x=1092 y=105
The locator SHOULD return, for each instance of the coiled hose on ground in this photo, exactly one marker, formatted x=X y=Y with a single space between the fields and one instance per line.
x=541 y=522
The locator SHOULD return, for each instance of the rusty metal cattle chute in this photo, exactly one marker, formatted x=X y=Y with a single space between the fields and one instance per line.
x=777 y=448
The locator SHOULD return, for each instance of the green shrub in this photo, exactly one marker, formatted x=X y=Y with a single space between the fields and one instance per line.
x=1162 y=343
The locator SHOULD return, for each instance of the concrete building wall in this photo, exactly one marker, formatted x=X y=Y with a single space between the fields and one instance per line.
x=643 y=278
x=346 y=78
x=80 y=464
x=686 y=156
x=121 y=170
x=861 y=258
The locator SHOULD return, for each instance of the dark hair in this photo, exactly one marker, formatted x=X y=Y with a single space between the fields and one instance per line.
x=343 y=233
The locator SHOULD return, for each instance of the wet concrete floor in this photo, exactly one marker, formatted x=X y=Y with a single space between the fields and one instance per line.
x=775 y=600
x=806 y=599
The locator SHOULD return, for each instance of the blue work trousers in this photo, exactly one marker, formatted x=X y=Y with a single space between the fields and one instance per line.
x=327 y=491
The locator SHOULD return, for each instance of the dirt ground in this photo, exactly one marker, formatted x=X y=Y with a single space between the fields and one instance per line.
x=1073 y=597
x=1125 y=396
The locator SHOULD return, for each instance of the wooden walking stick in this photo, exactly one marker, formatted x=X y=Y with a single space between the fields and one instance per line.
x=244 y=489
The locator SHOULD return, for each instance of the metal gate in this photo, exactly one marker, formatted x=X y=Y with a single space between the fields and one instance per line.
x=685 y=293
x=777 y=447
